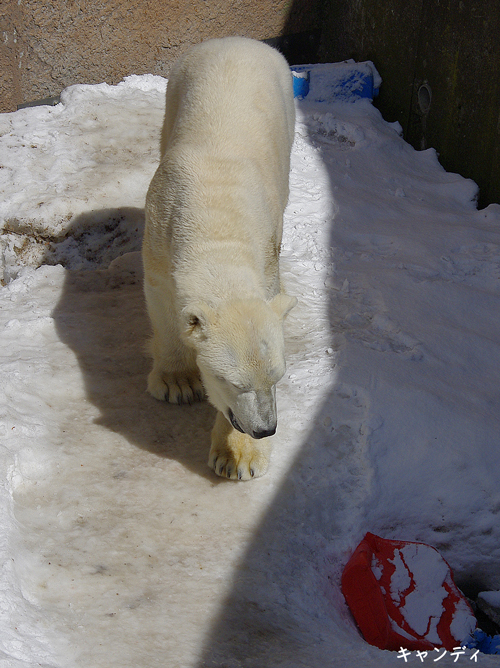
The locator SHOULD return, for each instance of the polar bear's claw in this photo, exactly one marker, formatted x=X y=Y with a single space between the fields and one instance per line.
x=176 y=388
x=235 y=455
x=228 y=467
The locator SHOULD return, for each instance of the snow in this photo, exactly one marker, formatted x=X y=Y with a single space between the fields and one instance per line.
x=491 y=597
x=422 y=607
x=119 y=547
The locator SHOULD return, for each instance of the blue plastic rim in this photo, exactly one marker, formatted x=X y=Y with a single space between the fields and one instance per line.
x=301 y=83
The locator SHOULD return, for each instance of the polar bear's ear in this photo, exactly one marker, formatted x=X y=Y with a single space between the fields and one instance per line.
x=282 y=304
x=196 y=321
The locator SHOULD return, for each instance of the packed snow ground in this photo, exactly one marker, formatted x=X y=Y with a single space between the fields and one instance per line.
x=119 y=547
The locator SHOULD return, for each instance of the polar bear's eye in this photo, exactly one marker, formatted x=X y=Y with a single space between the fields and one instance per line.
x=221 y=379
x=238 y=386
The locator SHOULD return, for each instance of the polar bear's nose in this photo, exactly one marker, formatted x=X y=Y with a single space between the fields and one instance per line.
x=264 y=433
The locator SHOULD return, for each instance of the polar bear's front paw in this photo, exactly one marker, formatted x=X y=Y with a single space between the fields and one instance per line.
x=176 y=388
x=235 y=455
x=247 y=463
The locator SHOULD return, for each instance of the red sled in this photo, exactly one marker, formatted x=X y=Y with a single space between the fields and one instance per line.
x=402 y=594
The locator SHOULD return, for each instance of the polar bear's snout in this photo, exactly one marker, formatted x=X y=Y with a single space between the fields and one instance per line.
x=256 y=413
x=260 y=433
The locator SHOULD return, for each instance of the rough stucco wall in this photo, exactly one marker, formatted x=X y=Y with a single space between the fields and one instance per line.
x=9 y=75
x=48 y=46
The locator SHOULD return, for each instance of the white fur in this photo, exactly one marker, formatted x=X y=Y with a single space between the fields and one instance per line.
x=214 y=216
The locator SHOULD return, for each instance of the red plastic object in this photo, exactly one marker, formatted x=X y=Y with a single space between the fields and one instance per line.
x=402 y=594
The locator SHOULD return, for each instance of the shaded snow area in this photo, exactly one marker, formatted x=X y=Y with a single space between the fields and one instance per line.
x=119 y=547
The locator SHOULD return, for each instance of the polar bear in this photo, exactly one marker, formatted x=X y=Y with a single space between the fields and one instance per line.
x=214 y=218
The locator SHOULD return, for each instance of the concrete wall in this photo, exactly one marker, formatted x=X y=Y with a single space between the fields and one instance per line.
x=459 y=63
x=46 y=46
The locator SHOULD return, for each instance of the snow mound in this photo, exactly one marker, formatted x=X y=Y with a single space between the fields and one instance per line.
x=118 y=545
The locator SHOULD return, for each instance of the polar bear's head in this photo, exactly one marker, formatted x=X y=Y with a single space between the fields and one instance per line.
x=240 y=353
